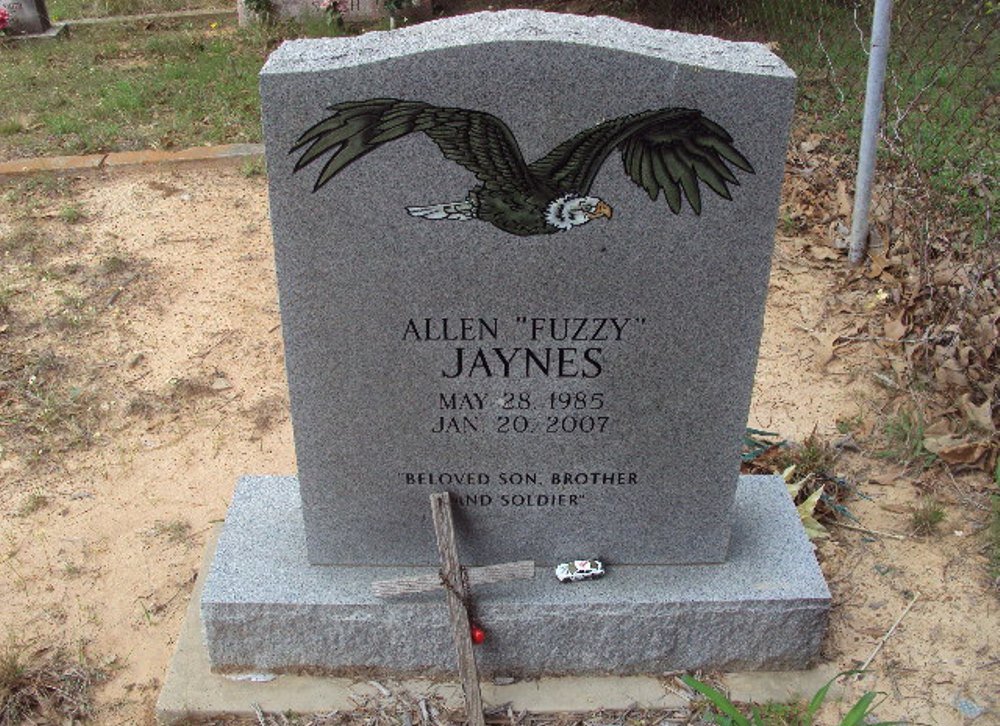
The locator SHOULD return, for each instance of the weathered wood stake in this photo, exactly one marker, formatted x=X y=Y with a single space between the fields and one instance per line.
x=451 y=576
x=456 y=579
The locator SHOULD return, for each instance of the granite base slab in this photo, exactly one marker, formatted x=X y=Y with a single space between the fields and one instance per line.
x=265 y=609
x=53 y=32
x=192 y=692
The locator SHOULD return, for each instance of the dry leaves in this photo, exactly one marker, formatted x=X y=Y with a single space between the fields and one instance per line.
x=894 y=328
x=929 y=293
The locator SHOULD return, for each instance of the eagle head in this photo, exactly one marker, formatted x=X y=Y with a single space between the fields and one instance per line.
x=572 y=210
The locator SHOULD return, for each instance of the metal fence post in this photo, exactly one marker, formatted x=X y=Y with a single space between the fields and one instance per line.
x=869 y=130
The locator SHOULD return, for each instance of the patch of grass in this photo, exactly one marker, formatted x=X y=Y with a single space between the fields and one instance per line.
x=171 y=84
x=63 y=9
x=32 y=503
x=927 y=516
x=71 y=213
x=726 y=713
x=24 y=241
x=903 y=434
x=43 y=411
x=175 y=530
x=850 y=424
x=48 y=686
x=253 y=166
x=10 y=126
x=812 y=457
x=7 y=293
x=115 y=264
x=156 y=86
x=24 y=194
x=186 y=388
x=75 y=311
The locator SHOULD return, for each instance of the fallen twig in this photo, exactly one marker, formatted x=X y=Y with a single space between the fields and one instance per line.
x=684 y=694
x=855 y=528
x=889 y=632
x=221 y=339
x=120 y=289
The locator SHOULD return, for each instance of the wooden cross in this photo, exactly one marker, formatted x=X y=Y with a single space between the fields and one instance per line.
x=456 y=580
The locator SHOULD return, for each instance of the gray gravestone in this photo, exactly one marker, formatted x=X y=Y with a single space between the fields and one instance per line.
x=27 y=17
x=580 y=392
x=350 y=10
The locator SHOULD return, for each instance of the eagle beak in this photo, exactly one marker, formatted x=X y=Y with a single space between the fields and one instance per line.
x=601 y=210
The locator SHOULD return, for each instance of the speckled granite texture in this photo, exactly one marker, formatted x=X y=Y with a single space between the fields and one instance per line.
x=265 y=608
x=354 y=269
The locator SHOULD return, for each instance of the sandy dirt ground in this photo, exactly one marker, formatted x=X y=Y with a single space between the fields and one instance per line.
x=151 y=305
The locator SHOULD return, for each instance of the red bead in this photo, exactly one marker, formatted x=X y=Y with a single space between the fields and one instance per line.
x=477 y=634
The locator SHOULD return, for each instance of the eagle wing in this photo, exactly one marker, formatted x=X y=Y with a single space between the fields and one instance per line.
x=479 y=141
x=666 y=150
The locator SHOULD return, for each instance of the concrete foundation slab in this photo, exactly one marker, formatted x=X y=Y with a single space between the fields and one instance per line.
x=265 y=609
x=191 y=688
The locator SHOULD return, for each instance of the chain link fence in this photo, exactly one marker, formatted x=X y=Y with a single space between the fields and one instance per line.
x=939 y=132
x=935 y=260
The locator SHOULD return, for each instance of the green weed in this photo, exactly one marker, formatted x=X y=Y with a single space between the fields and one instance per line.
x=724 y=712
x=32 y=503
x=44 y=412
x=25 y=194
x=850 y=424
x=75 y=311
x=812 y=457
x=115 y=264
x=253 y=166
x=10 y=126
x=71 y=213
x=7 y=294
x=175 y=531
x=903 y=434
x=927 y=516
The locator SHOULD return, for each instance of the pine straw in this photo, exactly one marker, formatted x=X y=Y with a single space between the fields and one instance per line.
x=497 y=717
x=399 y=708
x=52 y=687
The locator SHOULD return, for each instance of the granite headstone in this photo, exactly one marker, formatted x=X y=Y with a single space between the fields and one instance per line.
x=26 y=17
x=579 y=391
x=521 y=257
x=350 y=10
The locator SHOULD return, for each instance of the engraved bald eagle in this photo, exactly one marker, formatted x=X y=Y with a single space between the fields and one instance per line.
x=667 y=150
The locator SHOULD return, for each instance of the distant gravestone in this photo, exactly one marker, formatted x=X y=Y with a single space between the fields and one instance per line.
x=26 y=17
x=351 y=11
x=521 y=257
